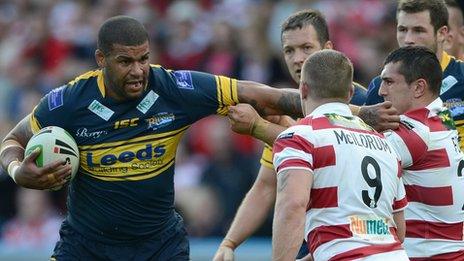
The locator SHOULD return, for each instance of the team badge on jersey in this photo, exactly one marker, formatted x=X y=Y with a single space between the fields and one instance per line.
x=184 y=79
x=55 y=98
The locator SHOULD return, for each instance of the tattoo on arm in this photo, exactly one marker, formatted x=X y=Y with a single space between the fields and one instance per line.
x=290 y=102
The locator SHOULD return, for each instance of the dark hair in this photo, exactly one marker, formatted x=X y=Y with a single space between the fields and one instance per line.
x=307 y=17
x=123 y=30
x=437 y=10
x=456 y=4
x=418 y=62
x=329 y=74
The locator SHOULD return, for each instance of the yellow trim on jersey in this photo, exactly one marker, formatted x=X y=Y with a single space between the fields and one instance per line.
x=445 y=60
x=131 y=160
x=226 y=93
x=34 y=123
x=101 y=84
x=266 y=157
x=156 y=66
x=359 y=85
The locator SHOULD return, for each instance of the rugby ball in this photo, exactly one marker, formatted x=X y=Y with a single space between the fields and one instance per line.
x=55 y=144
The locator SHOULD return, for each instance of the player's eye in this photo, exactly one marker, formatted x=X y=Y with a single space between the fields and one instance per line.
x=288 y=51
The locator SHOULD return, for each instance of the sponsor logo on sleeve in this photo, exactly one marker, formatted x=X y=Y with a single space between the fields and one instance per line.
x=286 y=135
x=55 y=98
x=184 y=80
x=100 y=110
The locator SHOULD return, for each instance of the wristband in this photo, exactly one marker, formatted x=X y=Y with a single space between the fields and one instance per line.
x=13 y=168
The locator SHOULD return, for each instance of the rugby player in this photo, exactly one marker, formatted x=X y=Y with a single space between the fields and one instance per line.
x=424 y=23
x=432 y=161
x=127 y=118
x=454 y=44
x=337 y=173
x=302 y=34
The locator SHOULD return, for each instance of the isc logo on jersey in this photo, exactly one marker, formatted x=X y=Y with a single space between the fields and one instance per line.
x=147 y=153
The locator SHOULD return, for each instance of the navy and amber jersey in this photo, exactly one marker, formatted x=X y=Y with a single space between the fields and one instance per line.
x=124 y=188
x=359 y=98
x=451 y=93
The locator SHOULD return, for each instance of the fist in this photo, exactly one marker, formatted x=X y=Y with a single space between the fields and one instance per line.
x=242 y=118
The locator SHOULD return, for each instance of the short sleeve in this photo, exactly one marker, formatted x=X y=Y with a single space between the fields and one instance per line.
x=400 y=202
x=200 y=94
x=293 y=150
x=52 y=110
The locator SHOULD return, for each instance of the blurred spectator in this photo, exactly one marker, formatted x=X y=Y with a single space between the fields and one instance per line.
x=35 y=225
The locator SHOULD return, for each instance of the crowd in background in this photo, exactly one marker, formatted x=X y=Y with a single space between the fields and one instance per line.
x=46 y=43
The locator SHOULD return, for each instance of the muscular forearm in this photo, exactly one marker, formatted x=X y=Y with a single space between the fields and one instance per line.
x=266 y=131
x=288 y=230
x=252 y=212
x=270 y=101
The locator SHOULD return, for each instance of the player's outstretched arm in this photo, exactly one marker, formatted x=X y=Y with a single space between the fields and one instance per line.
x=293 y=191
x=250 y=214
x=24 y=171
x=245 y=120
x=270 y=101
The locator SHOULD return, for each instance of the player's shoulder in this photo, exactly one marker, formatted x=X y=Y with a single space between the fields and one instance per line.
x=359 y=87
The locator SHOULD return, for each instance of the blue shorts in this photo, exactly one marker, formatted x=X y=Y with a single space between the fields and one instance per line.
x=169 y=245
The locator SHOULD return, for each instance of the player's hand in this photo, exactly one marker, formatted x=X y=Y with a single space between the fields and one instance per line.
x=50 y=176
x=282 y=120
x=242 y=118
x=382 y=116
x=224 y=253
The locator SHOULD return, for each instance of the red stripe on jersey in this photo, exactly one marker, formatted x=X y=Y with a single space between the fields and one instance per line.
x=433 y=230
x=420 y=114
x=294 y=163
x=324 y=123
x=324 y=198
x=324 y=234
x=295 y=142
x=432 y=159
x=448 y=256
x=400 y=170
x=367 y=251
x=432 y=196
x=324 y=156
x=399 y=204
x=435 y=124
x=415 y=144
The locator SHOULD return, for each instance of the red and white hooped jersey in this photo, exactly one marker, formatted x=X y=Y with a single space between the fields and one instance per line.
x=357 y=184
x=432 y=162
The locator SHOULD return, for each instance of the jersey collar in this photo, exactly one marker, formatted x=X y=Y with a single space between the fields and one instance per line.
x=332 y=107
x=101 y=83
x=445 y=60
x=435 y=106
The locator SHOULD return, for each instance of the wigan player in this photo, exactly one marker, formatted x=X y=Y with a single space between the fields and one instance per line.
x=338 y=172
x=432 y=162
x=424 y=23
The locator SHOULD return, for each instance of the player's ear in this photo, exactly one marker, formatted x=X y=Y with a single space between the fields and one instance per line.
x=100 y=58
x=304 y=90
x=328 y=45
x=442 y=34
x=420 y=86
